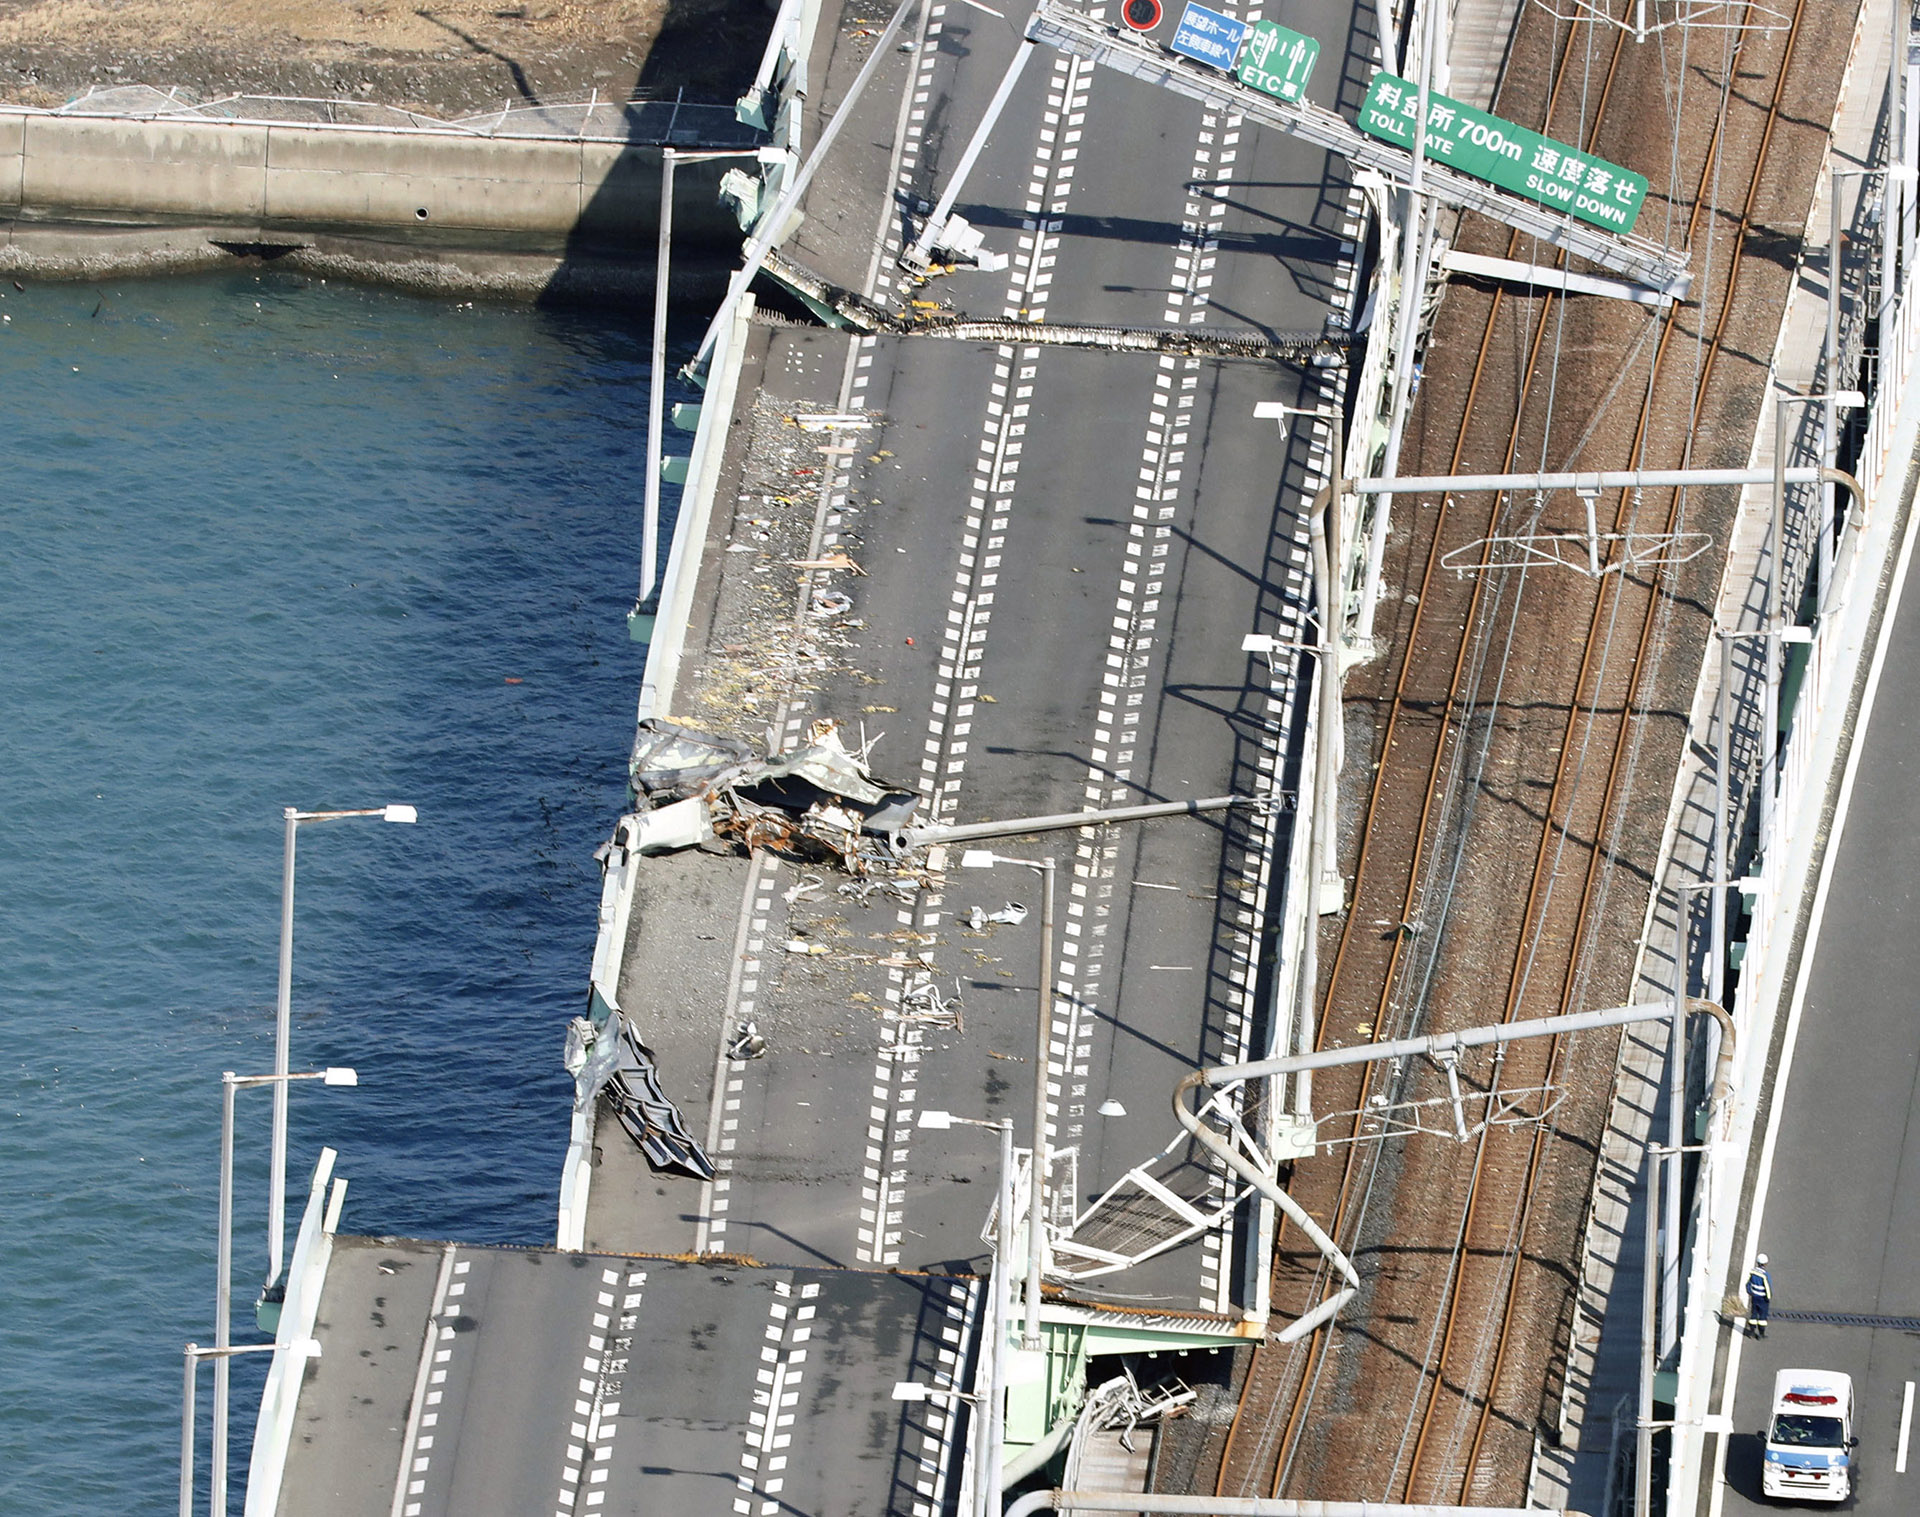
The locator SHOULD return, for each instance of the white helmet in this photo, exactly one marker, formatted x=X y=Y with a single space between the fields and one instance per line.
x=1759 y=1258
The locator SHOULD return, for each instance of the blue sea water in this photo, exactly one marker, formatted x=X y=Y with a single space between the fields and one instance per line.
x=266 y=541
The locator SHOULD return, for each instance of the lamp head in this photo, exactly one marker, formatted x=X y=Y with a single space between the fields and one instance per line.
x=336 y=1074
x=936 y=1121
x=399 y=814
x=978 y=858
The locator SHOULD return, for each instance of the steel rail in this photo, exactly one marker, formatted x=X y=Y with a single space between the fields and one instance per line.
x=1318 y=1347
x=1582 y=918
x=1639 y=663
x=1450 y=484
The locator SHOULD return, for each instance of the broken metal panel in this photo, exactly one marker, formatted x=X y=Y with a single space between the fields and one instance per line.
x=1119 y=1406
x=1155 y=1207
x=591 y=1058
x=921 y=1002
x=680 y=824
x=669 y=759
x=817 y=801
x=825 y=765
x=614 y=1059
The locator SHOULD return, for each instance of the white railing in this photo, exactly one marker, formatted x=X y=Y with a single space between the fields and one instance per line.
x=664 y=650
x=294 y=1343
x=609 y=956
x=685 y=555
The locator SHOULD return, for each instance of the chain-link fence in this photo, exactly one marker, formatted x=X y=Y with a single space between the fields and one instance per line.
x=587 y=118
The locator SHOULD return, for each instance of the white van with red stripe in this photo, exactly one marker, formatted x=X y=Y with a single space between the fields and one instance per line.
x=1810 y=1440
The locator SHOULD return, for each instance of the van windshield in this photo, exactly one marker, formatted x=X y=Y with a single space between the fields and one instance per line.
x=1807 y=1432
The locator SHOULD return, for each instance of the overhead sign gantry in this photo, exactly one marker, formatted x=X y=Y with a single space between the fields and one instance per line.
x=1555 y=215
x=1506 y=155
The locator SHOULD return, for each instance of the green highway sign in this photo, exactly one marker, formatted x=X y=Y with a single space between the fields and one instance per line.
x=1277 y=61
x=1547 y=172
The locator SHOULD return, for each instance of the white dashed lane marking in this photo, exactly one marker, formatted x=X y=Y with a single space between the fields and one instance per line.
x=938 y=1422
x=437 y=1354
x=789 y=723
x=969 y=615
x=1131 y=642
x=769 y=1432
x=587 y=1465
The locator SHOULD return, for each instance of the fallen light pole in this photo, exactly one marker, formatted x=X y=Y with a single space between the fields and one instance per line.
x=1438 y=1044
x=1059 y=821
x=919 y=256
x=774 y=221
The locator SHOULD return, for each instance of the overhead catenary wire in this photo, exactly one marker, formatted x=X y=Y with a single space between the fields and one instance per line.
x=1640 y=673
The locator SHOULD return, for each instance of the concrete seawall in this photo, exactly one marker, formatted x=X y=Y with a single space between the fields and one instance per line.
x=84 y=195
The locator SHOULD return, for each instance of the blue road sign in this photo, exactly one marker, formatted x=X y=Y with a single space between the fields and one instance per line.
x=1208 y=37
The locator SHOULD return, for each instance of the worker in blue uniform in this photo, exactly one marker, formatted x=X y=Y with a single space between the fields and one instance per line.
x=1759 y=1297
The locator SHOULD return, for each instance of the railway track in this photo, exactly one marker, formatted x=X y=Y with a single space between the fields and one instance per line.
x=1484 y=880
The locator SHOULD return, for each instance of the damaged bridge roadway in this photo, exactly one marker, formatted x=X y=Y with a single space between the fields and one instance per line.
x=1049 y=559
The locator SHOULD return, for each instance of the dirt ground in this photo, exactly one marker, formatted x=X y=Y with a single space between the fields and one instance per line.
x=449 y=60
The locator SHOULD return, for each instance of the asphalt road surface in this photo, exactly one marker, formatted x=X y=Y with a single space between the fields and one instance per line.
x=1064 y=549
x=582 y=1383
x=1842 y=1208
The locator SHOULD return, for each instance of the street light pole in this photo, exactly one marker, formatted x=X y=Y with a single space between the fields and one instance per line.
x=656 y=388
x=670 y=159
x=992 y=1449
x=1002 y=1315
x=980 y=858
x=192 y=1364
x=1649 y=1267
x=1042 y=1062
x=223 y=1291
x=194 y=1354
x=1676 y=1110
x=283 y=1022
x=223 y=1256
